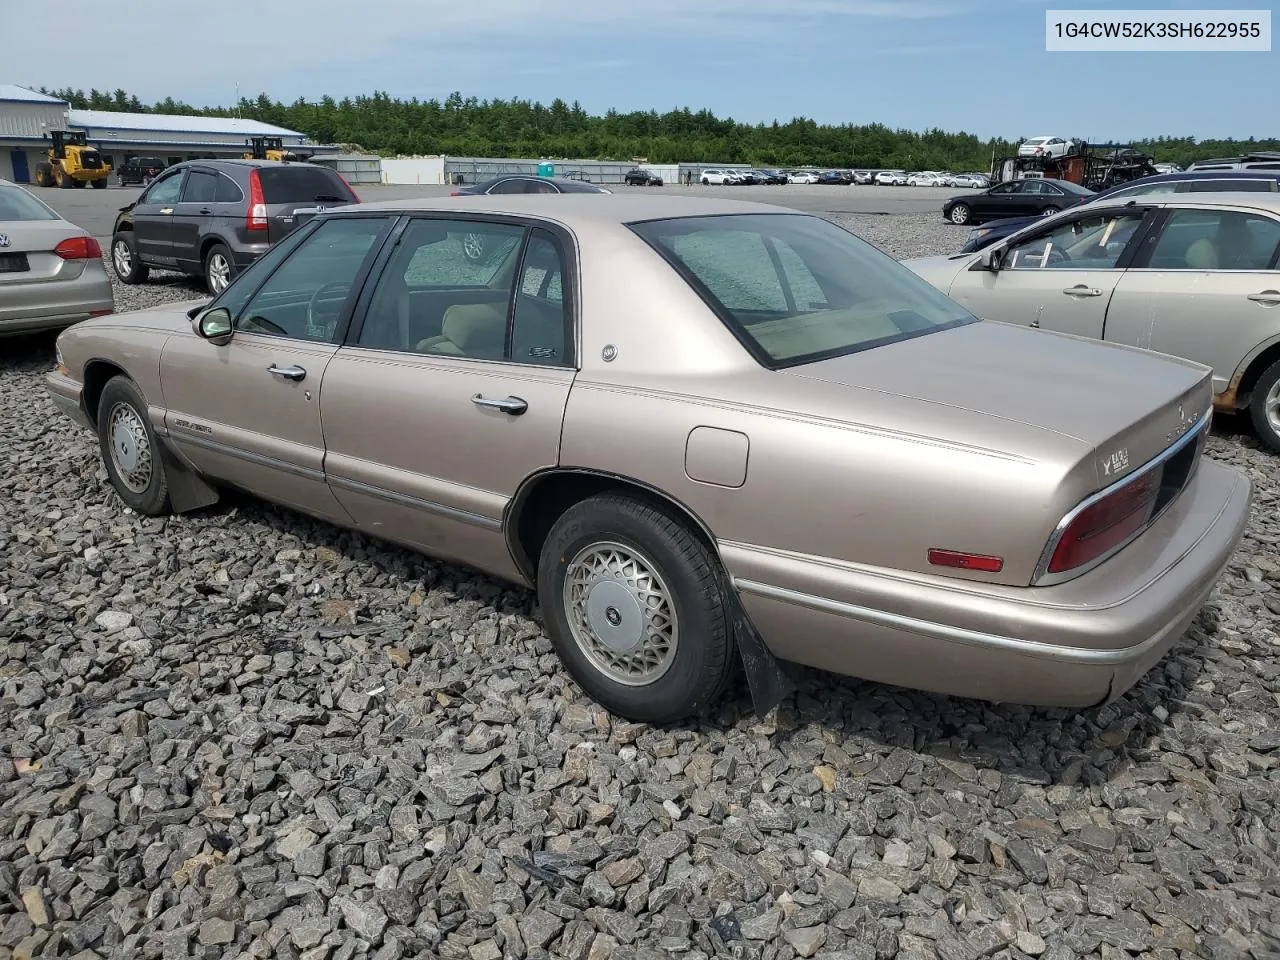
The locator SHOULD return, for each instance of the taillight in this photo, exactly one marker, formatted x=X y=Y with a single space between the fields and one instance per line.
x=256 y=219
x=1106 y=524
x=354 y=195
x=78 y=248
x=456 y=193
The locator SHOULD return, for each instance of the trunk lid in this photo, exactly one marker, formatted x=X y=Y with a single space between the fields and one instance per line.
x=29 y=258
x=1126 y=405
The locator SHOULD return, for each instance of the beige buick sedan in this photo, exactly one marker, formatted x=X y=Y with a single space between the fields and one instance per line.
x=707 y=432
x=1189 y=274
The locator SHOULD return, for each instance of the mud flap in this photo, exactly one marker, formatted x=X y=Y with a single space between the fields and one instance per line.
x=767 y=680
x=187 y=490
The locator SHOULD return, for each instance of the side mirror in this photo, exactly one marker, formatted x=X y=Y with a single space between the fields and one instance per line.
x=991 y=258
x=214 y=325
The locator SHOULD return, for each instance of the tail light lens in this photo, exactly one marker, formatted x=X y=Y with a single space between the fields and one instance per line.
x=1106 y=524
x=354 y=195
x=78 y=248
x=456 y=193
x=256 y=219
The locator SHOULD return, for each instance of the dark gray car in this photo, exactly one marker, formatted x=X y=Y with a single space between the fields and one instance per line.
x=213 y=218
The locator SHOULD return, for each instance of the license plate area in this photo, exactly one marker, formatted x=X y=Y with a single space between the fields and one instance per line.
x=14 y=263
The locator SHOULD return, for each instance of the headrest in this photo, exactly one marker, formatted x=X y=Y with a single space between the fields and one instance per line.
x=476 y=327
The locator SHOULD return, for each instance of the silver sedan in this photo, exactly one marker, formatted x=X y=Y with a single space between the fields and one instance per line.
x=51 y=271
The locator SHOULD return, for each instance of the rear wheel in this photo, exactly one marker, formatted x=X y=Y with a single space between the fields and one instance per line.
x=218 y=269
x=44 y=175
x=1049 y=211
x=129 y=449
x=62 y=179
x=1264 y=407
x=124 y=259
x=636 y=607
x=100 y=184
x=960 y=213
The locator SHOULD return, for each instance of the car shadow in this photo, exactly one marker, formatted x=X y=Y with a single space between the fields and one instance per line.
x=864 y=719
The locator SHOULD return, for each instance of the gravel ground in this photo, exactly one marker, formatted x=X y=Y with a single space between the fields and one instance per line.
x=245 y=734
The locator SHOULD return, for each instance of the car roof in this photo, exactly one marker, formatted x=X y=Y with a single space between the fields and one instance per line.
x=241 y=162
x=571 y=209
x=1268 y=202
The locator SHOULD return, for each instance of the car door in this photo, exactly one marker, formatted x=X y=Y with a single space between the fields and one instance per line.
x=1058 y=278
x=247 y=412
x=451 y=389
x=1204 y=286
x=999 y=201
x=153 y=218
x=190 y=219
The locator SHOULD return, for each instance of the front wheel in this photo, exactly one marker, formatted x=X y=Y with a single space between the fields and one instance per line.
x=637 y=609
x=960 y=213
x=129 y=449
x=100 y=184
x=473 y=247
x=1264 y=407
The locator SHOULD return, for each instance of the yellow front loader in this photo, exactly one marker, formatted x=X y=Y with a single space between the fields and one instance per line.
x=271 y=148
x=72 y=162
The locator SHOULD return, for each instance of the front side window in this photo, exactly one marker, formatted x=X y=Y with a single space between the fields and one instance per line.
x=447 y=290
x=303 y=299
x=1216 y=240
x=1086 y=243
x=796 y=288
x=166 y=190
x=1003 y=188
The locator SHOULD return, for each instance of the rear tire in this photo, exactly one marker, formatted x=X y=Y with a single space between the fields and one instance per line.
x=1264 y=408
x=637 y=608
x=1049 y=211
x=219 y=269
x=100 y=184
x=124 y=259
x=44 y=175
x=129 y=449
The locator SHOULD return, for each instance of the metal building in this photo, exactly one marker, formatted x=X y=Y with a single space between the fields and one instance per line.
x=26 y=117
x=354 y=167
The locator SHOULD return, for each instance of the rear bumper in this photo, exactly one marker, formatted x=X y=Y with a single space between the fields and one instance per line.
x=1077 y=644
x=51 y=304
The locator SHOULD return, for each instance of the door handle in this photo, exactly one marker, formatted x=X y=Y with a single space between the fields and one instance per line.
x=1080 y=290
x=166 y=209
x=512 y=405
x=205 y=210
x=289 y=373
x=1266 y=296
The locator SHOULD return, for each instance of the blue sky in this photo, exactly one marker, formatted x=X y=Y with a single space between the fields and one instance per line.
x=975 y=65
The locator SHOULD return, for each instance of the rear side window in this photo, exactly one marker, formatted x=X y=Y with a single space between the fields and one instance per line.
x=17 y=204
x=298 y=183
x=228 y=191
x=1240 y=186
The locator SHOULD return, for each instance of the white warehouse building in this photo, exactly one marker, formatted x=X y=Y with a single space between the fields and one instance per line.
x=26 y=116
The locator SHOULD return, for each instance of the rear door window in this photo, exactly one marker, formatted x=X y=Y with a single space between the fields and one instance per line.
x=296 y=183
x=201 y=187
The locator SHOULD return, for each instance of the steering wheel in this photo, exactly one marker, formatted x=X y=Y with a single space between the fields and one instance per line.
x=333 y=286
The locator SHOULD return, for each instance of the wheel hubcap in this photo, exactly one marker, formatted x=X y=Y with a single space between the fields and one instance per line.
x=620 y=613
x=959 y=214
x=219 y=273
x=1272 y=407
x=123 y=257
x=130 y=448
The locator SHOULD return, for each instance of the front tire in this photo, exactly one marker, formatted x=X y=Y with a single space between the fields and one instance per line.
x=637 y=608
x=1264 y=407
x=960 y=214
x=219 y=270
x=124 y=259
x=129 y=449
x=100 y=184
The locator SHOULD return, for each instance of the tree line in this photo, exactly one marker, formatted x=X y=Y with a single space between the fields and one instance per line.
x=458 y=126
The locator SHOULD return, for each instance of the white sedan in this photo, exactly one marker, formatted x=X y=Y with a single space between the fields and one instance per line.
x=1193 y=275
x=802 y=176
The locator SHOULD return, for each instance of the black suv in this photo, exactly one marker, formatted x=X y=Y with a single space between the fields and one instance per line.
x=642 y=178
x=213 y=218
x=140 y=170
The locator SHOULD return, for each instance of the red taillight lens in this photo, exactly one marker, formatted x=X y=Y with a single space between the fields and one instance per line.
x=1106 y=524
x=965 y=561
x=456 y=193
x=354 y=196
x=78 y=248
x=256 y=219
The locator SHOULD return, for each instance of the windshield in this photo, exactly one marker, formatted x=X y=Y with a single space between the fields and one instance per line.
x=796 y=288
x=17 y=204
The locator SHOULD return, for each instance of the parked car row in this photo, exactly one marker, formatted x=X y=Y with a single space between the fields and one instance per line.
x=710 y=432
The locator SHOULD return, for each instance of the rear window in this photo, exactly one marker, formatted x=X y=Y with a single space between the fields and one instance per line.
x=296 y=183
x=17 y=204
x=795 y=288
